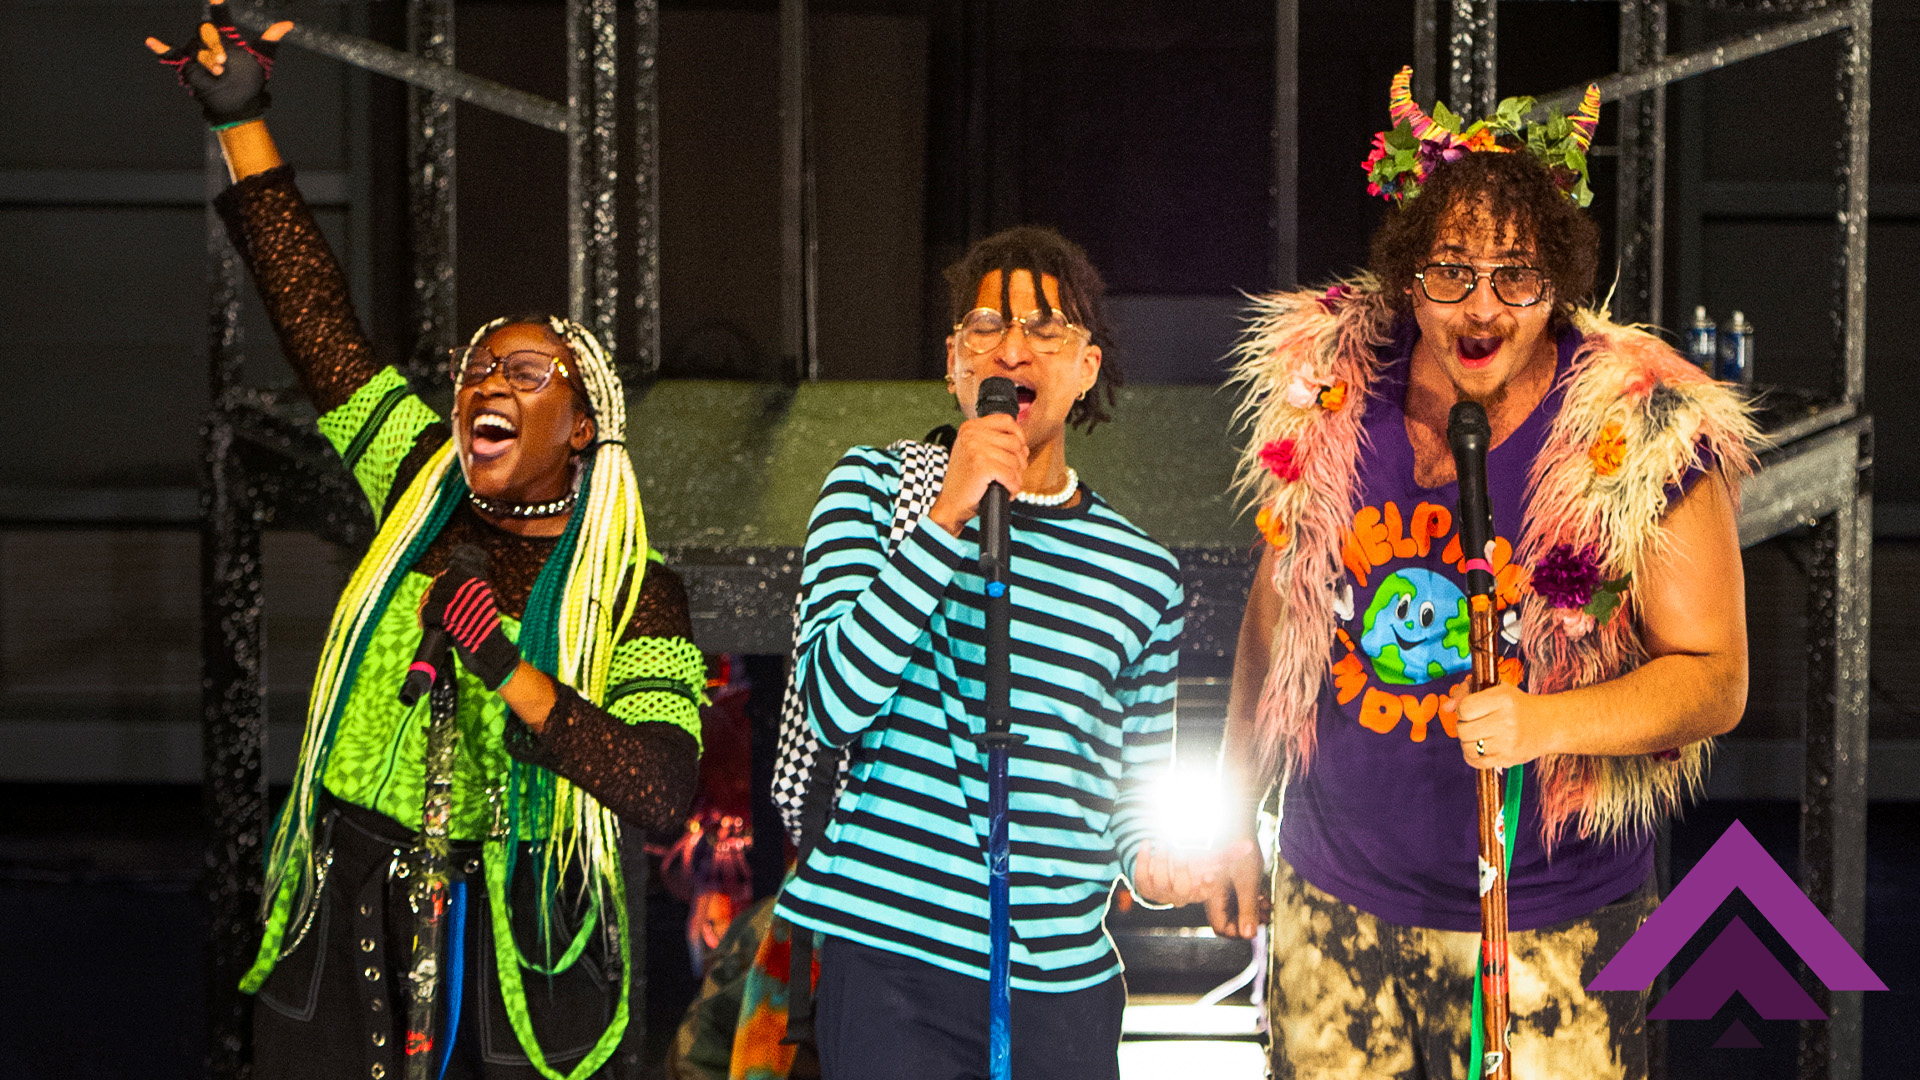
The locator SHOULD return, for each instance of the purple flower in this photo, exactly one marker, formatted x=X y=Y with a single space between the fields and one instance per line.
x=1566 y=578
x=1433 y=152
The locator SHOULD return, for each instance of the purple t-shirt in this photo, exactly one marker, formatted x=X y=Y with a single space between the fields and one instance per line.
x=1385 y=818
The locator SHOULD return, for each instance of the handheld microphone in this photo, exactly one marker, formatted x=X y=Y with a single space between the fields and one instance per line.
x=436 y=647
x=1469 y=435
x=997 y=395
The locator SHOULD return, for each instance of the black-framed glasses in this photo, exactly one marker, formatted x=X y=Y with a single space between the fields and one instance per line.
x=983 y=329
x=1450 y=283
x=526 y=371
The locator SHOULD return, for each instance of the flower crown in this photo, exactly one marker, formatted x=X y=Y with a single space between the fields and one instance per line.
x=1404 y=157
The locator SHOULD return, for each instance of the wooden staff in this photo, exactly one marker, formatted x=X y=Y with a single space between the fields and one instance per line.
x=1469 y=435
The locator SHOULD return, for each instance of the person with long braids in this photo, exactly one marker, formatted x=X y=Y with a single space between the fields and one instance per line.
x=578 y=687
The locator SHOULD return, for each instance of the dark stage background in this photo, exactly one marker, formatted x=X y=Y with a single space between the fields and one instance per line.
x=1139 y=128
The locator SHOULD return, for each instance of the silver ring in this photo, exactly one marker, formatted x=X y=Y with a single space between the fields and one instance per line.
x=1480 y=747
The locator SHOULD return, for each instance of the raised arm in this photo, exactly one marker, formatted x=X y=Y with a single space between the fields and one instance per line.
x=861 y=609
x=300 y=281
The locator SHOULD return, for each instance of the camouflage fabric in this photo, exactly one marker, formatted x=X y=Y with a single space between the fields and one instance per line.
x=1352 y=996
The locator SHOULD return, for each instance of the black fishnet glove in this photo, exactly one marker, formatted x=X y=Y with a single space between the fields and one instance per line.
x=462 y=603
x=238 y=93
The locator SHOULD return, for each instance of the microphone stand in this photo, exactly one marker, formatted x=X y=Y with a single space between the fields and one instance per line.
x=1470 y=435
x=427 y=864
x=997 y=395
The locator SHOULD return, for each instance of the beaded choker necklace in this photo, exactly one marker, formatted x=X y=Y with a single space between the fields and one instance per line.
x=553 y=508
x=1058 y=497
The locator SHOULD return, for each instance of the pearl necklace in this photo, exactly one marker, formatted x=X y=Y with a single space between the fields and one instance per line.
x=522 y=510
x=1058 y=497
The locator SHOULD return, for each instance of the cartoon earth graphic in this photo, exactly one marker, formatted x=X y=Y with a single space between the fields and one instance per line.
x=1416 y=628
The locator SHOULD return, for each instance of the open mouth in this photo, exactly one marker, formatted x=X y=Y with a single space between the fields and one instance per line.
x=491 y=435
x=1025 y=395
x=1477 y=351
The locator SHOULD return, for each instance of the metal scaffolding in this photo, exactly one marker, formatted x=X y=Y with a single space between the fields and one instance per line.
x=1819 y=470
x=262 y=465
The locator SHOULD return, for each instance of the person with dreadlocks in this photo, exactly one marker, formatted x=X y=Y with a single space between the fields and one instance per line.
x=890 y=664
x=517 y=527
x=1612 y=474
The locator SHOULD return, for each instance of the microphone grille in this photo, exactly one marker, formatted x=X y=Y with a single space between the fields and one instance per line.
x=997 y=395
x=1468 y=422
x=468 y=560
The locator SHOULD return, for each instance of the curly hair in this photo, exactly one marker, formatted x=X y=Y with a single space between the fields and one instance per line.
x=1041 y=251
x=1512 y=189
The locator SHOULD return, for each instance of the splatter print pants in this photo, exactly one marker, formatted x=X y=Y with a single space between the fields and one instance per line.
x=1350 y=996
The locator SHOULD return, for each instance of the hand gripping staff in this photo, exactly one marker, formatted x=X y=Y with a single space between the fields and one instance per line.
x=1469 y=435
x=997 y=395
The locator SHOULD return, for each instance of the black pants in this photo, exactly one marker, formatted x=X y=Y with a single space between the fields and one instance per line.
x=883 y=1016
x=336 y=1005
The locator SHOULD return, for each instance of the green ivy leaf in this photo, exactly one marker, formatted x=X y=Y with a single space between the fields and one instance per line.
x=1401 y=137
x=1446 y=117
x=1606 y=598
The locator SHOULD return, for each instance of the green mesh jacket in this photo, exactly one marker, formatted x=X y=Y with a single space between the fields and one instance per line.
x=378 y=753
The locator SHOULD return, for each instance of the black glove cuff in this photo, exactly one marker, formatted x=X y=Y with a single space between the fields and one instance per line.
x=493 y=661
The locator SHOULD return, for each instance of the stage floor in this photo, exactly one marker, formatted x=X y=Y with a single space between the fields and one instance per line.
x=101 y=947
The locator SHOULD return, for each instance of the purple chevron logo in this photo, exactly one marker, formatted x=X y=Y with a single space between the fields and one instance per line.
x=1737 y=962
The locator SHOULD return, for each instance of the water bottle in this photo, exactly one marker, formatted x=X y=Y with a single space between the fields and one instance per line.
x=1703 y=344
x=1736 y=351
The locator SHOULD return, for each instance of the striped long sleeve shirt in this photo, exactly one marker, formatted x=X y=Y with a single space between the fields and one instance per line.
x=891 y=660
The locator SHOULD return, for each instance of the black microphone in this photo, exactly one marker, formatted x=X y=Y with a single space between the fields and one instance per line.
x=1469 y=435
x=436 y=647
x=997 y=395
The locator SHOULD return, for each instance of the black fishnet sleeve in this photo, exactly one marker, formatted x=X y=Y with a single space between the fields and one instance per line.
x=301 y=284
x=646 y=772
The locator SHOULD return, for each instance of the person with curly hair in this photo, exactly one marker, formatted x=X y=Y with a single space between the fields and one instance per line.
x=514 y=528
x=1619 y=597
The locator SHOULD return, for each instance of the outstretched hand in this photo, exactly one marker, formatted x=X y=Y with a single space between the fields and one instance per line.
x=227 y=74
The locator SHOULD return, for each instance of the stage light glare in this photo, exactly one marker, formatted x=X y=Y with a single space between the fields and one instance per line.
x=1189 y=808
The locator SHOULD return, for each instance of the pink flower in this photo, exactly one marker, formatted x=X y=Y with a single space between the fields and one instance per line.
x=1336 y=295
x=1574 y=622
x=1279 y=458
x=1303 y=389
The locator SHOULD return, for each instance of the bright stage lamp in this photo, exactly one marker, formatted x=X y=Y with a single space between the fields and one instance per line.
x=1188 y=808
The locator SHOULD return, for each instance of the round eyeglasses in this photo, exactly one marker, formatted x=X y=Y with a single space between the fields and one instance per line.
x=983 y=329
x=1450 y=283
x=526 y=371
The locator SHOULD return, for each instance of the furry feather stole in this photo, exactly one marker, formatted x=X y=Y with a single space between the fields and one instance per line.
x=1635 y=418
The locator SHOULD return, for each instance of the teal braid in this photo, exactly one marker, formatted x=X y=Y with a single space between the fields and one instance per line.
x=530 y=794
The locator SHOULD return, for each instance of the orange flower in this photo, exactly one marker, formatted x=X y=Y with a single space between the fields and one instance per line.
x=1609 y=451
x=1270 y=527
x=1333 y=397
x=1480 y=140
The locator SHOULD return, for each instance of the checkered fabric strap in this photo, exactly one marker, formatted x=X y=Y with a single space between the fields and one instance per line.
x=922 y=466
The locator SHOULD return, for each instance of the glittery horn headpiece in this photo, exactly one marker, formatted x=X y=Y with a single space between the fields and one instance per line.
x=1406 y=155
